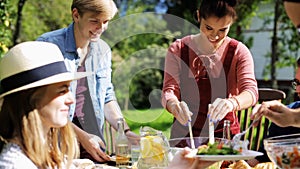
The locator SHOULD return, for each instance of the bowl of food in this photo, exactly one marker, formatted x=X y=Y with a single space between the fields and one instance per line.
x=284 y=150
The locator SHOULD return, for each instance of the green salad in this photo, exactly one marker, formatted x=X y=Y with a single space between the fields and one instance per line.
x=216 y=149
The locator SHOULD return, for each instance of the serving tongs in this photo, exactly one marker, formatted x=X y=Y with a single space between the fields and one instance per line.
x=191 y=134
x=194 y=150
x=211 y=129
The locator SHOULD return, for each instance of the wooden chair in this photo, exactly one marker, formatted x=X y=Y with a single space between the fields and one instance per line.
x=257 y=134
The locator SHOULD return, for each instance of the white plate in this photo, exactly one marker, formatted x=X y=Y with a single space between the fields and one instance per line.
x=246 y=155
x=104 y=166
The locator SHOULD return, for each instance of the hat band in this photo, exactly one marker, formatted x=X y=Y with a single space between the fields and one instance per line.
x=33 y=75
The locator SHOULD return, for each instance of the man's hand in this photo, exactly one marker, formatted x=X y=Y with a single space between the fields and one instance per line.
x=133 y=138
x=182 y=160
x=277 y=113
x=92 y=143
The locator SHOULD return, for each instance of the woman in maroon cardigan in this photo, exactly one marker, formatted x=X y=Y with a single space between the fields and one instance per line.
x=209 y=68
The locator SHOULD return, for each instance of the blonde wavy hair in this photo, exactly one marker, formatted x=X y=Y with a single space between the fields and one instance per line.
x=21 y=122
x=104 y=7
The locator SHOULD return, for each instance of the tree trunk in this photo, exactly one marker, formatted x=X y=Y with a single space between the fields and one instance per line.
x=126 y=103
x=274 y=47
x=21 y=4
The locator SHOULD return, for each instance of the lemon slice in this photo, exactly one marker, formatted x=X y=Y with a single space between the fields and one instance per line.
x=146 y=147
x=152 y=147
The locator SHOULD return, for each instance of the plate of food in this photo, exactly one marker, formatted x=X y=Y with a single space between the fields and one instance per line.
x=249 y=154
x=218 y=151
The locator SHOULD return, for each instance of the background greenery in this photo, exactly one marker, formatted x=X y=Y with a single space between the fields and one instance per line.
x=23 y=20
x=158 y=119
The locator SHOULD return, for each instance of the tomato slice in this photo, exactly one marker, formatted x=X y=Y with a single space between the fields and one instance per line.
x=220 y=145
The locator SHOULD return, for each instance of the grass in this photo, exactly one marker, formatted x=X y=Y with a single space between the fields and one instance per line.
x=158 y=119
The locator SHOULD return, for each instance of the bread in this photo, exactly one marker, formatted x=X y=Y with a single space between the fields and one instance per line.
x=244 y=165
x=268 y=165
x=241 y=164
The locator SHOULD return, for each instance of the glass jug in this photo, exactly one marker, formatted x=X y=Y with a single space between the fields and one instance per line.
x=154 y=149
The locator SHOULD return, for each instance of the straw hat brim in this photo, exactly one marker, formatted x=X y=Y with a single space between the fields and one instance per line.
x=62 y=77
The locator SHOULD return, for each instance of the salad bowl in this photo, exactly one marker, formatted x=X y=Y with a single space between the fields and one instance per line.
x=284 y=150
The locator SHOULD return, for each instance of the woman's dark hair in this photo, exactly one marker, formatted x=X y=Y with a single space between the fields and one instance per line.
x=218 y=8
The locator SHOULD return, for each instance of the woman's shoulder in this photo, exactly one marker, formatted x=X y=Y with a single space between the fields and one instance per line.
x=241 y=48
x=12 y=156
x=240 y=44
x=179 y=43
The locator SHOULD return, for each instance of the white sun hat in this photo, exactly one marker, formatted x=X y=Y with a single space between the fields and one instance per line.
x=33 y=64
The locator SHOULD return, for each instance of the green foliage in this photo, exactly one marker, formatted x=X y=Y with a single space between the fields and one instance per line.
x=139 y=42
x=138 y=6
x=246 y=11
x=5 y=26
x=287 y=51
x=143 y=84
x=43 y=16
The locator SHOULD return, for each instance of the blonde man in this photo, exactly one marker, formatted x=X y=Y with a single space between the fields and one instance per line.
x=83 y=50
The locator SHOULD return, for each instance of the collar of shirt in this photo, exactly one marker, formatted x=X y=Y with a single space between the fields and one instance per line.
x=70 y=44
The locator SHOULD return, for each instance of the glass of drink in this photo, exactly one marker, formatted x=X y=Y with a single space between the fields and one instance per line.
x=135 y=153
x=122 y=146
x=122 y=156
